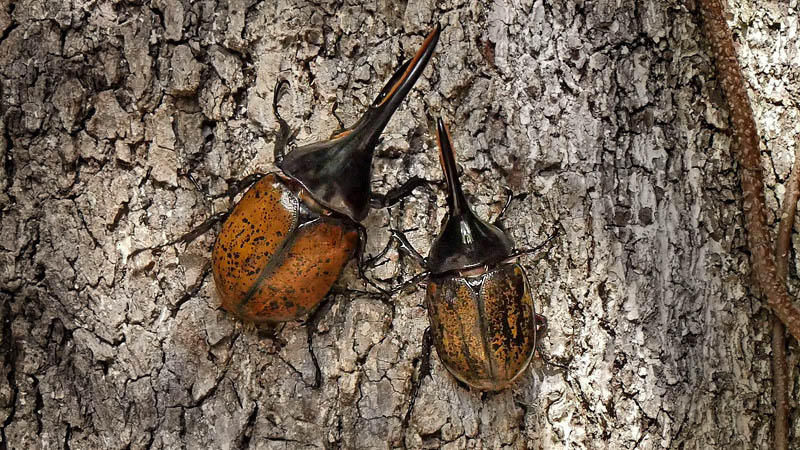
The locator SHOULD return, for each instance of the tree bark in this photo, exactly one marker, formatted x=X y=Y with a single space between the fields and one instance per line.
x=607 y=114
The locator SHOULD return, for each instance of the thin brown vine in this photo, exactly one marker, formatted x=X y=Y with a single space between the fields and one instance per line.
x=745 y=142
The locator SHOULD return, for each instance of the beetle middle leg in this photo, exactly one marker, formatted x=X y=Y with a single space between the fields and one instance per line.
x=524 y=251
x=362 y=263
x=405 y=248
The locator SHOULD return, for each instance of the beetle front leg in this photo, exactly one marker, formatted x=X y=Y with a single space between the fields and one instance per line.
x=394 y=195
x=509 y=197
x=342 y=131
x=284 y=133
x=525 y=251
x=403 y=245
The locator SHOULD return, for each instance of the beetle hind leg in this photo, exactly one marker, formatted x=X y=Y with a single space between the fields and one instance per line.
x=188 y=237
x=540 y=322
x=424 y=370
x=541 y=327
x=311 y=325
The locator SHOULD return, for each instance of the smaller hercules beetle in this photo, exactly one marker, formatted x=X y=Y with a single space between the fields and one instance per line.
x=479 y=301
x=288 y=239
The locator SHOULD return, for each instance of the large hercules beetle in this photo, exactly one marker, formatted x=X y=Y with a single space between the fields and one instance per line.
x=480 y=307
x=288 y=239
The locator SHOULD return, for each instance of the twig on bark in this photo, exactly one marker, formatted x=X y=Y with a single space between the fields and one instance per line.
x=779 y=370
x=745 y=142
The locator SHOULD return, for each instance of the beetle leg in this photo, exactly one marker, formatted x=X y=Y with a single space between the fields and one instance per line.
x=239 y=186
x=395 y=195
x=362 y=243
x=311 y=326
x=373 y=260
x=541 y=330
x=424 y=370
x=509 y=197
x=342 y=131
x=403 y=245
x=414 y=280
x=525 y=251
x=541 y=327
x=190 y=236
x=284 y=134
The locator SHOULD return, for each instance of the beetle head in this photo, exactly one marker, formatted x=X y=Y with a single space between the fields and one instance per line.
x=465 y=240
x=338 y=172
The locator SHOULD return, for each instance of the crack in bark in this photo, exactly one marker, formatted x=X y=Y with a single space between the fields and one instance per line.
x=10 y=353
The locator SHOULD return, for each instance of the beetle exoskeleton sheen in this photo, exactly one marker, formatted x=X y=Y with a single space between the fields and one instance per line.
x=483 y=325
x=288 y=239
x=274 y=258
x=479 y=301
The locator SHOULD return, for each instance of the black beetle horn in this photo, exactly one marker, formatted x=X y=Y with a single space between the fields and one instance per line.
x=337 y=172
x=456 y=200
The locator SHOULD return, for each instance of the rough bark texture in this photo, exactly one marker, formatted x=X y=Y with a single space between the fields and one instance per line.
x=606 y=113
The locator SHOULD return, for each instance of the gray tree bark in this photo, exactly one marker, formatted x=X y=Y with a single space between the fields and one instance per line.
x=606 y=113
